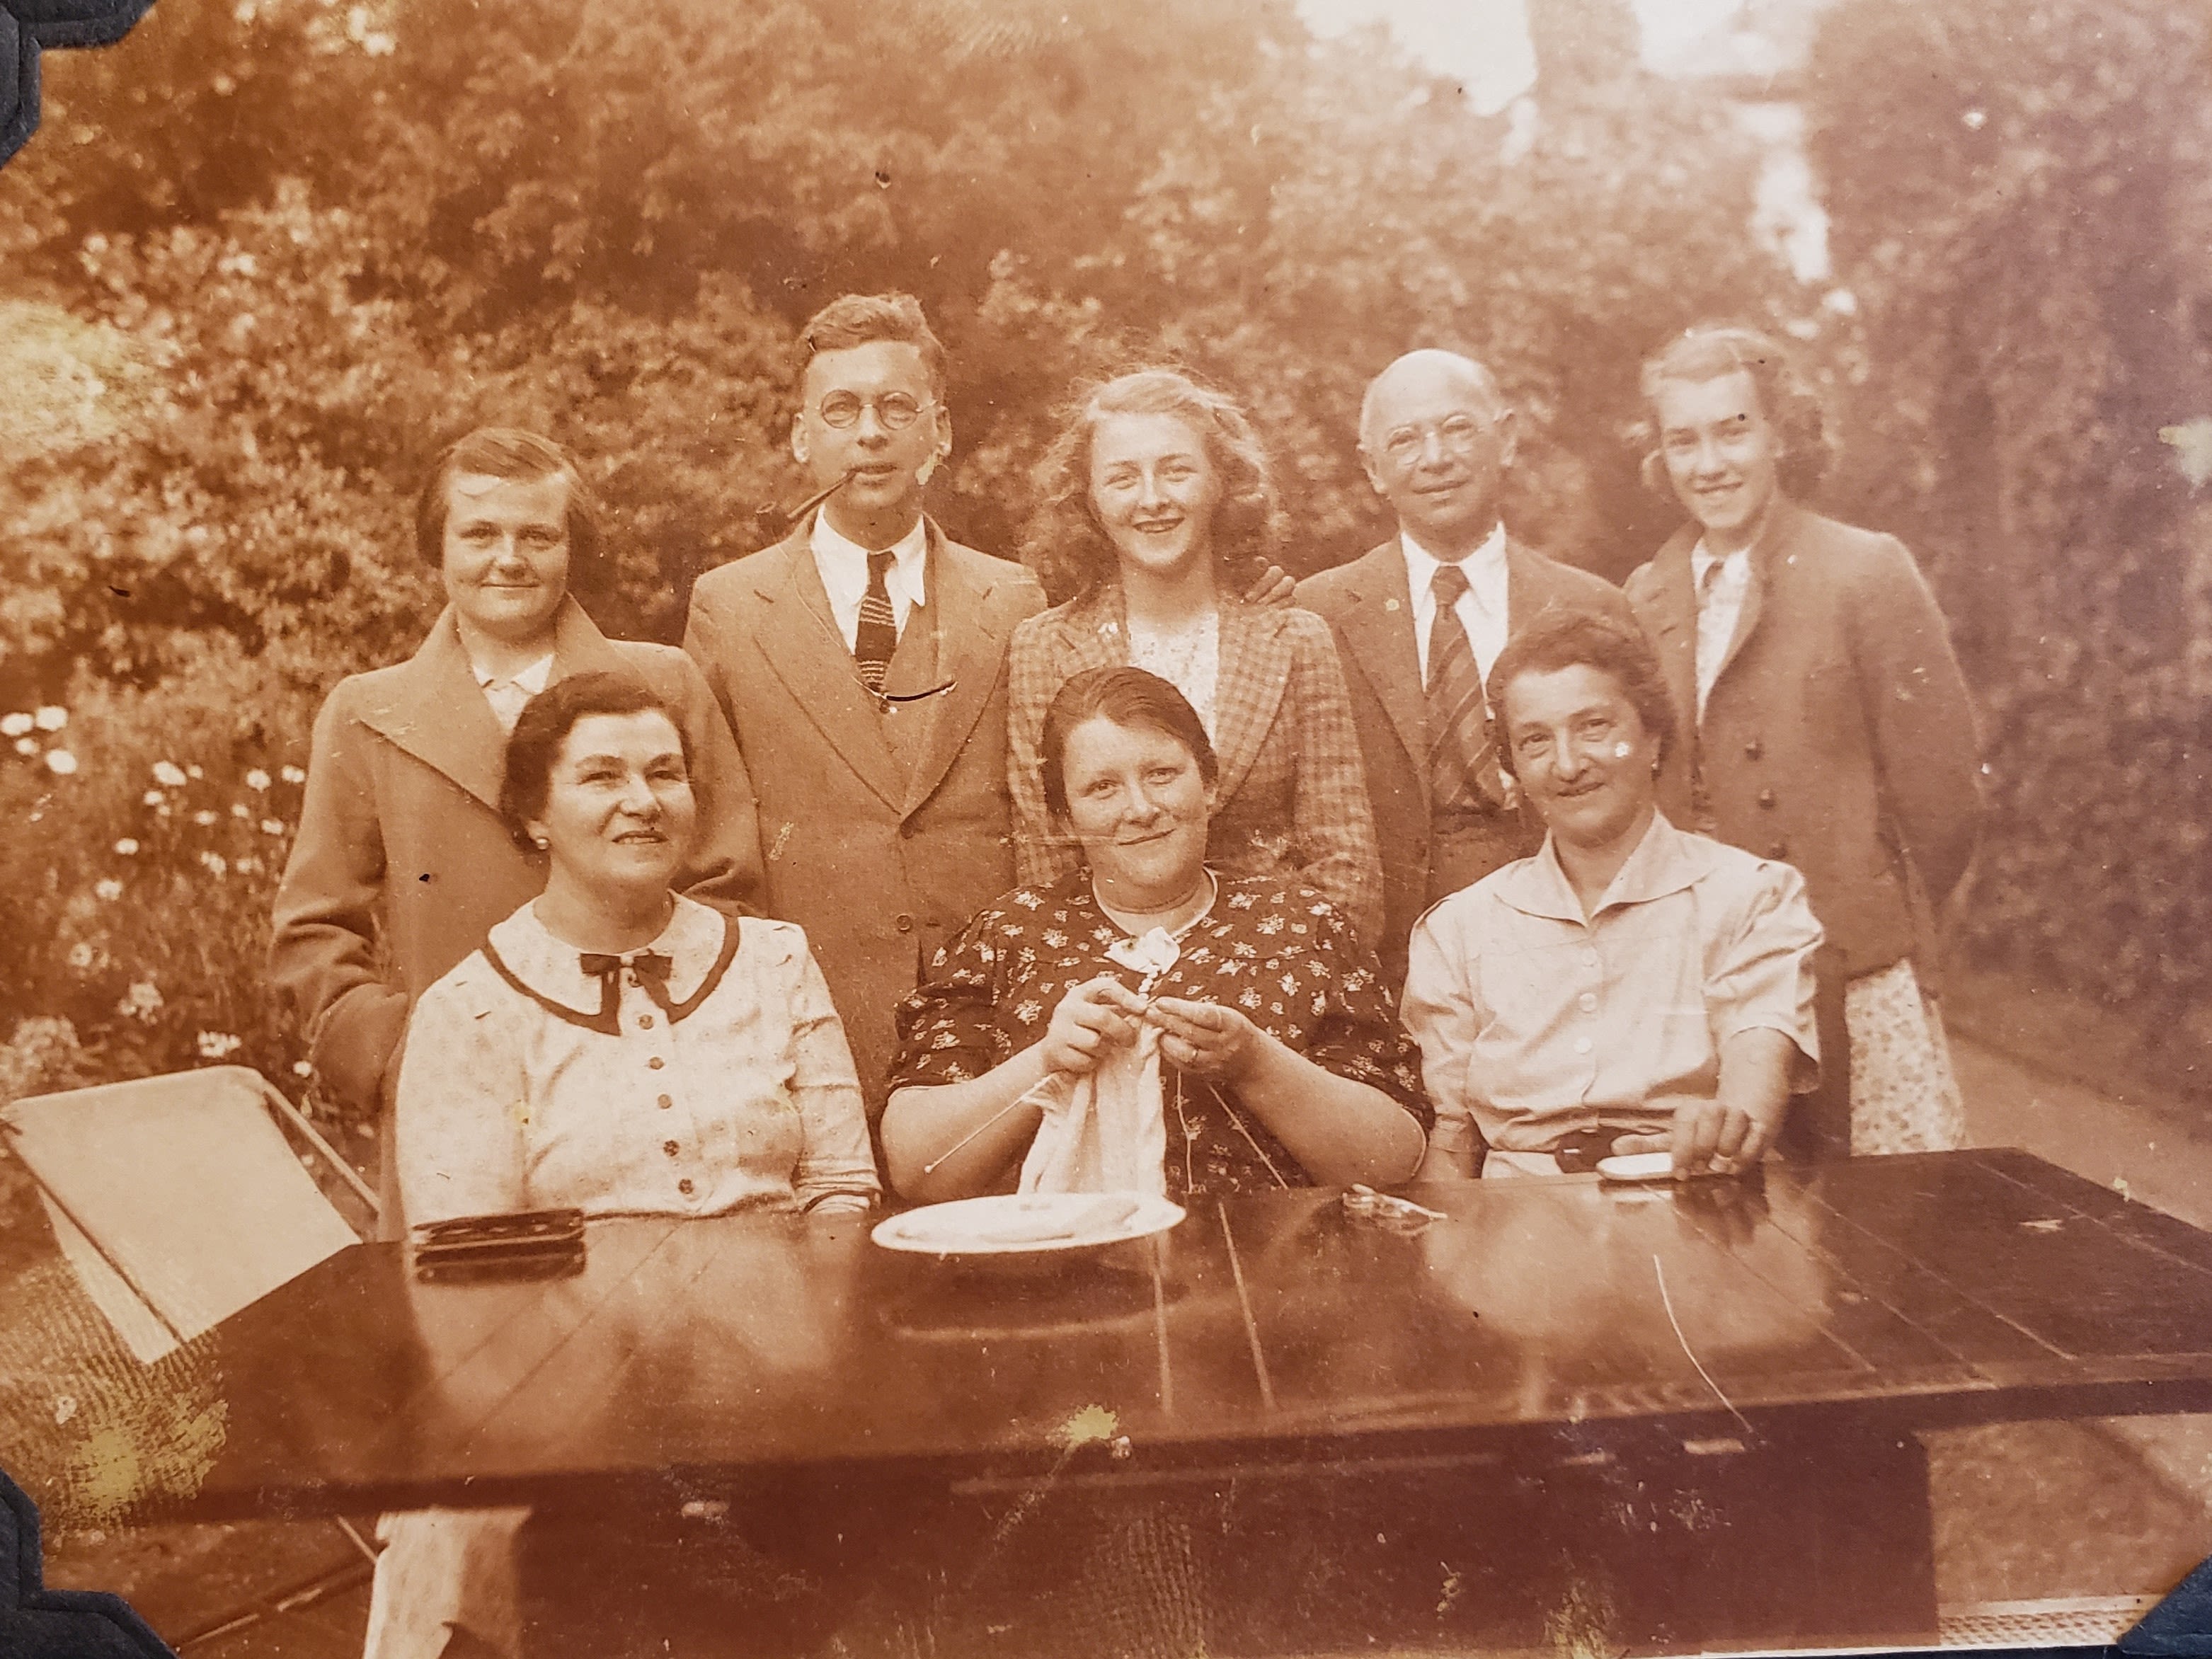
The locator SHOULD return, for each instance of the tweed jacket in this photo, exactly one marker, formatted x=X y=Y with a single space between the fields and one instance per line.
x=402 y=864
x=1838 y=735
x=879 y=863
x=1290 y=799
x=1369 y=605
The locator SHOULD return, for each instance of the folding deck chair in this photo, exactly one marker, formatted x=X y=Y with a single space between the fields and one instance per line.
x=177 y=1200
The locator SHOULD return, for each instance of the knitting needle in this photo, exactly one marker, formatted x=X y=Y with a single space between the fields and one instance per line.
x=1022 y=1099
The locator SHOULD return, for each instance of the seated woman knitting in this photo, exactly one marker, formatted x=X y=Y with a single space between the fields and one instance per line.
x=1145 y=1023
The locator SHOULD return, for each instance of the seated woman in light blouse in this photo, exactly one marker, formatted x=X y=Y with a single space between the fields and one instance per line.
x=614 y=1047
x=1284 y=1062
x=1629 y=988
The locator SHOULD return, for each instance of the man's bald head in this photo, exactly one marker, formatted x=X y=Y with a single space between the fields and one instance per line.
x=1430 y=366
x=1436 y=436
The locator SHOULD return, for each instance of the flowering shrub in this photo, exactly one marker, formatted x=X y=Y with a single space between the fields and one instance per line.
x=140 y=881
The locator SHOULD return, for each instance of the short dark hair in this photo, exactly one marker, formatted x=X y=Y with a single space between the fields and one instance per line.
x=1126 y=696
x=1065 y=544
x=1709 y=350
x=858 y=319
x=545 y=724
x=508 y=452
x=1570 y=638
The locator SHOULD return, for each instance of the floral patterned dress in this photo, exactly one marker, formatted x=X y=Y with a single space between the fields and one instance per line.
x=1276 y=951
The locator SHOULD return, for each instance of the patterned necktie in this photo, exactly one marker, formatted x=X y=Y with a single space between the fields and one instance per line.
x=1461 y=763
x=876 y=636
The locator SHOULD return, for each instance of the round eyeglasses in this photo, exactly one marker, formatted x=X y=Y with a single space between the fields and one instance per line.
x=1457 y=435
x=895 y=411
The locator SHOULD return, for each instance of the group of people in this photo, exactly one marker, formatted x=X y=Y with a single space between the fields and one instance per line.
x=1453 y=860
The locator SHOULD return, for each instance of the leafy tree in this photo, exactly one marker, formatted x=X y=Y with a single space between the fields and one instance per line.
x=2024 y=220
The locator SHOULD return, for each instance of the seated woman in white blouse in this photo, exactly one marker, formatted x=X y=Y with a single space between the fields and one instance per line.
x=614 y=1047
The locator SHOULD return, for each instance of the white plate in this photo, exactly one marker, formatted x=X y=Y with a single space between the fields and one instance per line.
x=1026 y=1224
x=1636 y=1167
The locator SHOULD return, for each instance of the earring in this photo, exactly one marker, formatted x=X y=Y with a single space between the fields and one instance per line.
x=540 y=842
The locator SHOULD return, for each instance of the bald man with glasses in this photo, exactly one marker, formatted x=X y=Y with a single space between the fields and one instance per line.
x=1418 y=622
x=862 y=663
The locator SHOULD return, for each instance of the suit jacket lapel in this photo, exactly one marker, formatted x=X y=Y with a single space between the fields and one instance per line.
x=971 y=653
x=798 y=637
x=1379 y=626
x=1254 y=668
x=436 y=712
x=1774 y=545
x=1671 y=618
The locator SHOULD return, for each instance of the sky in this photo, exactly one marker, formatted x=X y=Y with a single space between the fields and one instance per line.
x=1485 y=43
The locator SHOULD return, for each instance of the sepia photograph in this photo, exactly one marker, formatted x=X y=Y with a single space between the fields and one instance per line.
x=1182 y=829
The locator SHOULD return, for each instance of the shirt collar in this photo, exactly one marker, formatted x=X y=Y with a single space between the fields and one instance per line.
x=1484 y=567
x=1702 y=559
x=553 y=969
x=844 y=562
x=532 y=679
x=1665 y=861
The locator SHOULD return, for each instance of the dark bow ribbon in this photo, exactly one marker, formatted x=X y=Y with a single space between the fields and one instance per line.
x=652 y=968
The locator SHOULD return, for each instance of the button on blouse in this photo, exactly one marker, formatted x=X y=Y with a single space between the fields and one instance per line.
x=522 y=1088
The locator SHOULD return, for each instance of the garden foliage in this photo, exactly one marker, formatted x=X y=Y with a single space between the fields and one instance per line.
x=267 y=255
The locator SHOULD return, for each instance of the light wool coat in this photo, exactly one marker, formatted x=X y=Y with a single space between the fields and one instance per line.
x=402 y=864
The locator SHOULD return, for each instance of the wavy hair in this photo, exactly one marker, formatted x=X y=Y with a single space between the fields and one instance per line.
x=1706 y=351
x=1065 y=544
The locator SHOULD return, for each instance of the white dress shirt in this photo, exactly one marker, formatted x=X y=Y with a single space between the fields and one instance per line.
x=844 y=567
x=1480 y=610
x=507 y=696
x=1720 y=603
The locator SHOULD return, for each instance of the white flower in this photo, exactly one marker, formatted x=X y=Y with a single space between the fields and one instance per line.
x=248 y=866
x=14 y=725
x=215 y=1045
x=238 y=809
x=202 y=818
x=168 y=775
x=51 y=717
x=60 y=763
x=215 y=863
x=154 y=798
x=293 y=774
x=194 y=772
x=302 y=1068
x=80 y=955
x=142 y=1001
x=26 y=745
x=272 y=826
x=256 y=779
x=126 y=846
x=107 y=888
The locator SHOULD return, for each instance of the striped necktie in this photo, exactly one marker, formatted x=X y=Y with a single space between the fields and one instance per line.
x=1462 y=766
x=876 y=636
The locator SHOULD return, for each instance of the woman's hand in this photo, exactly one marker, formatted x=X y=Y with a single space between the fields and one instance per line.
x=1095 y=1013
x=1707 y=1137
x=1205 y=1038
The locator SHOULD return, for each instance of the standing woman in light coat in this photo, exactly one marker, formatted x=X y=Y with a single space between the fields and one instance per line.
x=1158 y=515
x=1829 y=723
x=402 y=863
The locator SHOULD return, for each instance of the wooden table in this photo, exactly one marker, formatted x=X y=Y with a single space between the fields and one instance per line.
x=1677 y=1414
